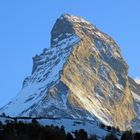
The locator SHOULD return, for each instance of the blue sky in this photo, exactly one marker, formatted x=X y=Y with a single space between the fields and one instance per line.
x=25 y=27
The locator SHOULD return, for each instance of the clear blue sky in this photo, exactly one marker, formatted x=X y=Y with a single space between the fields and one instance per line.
x=25 y=27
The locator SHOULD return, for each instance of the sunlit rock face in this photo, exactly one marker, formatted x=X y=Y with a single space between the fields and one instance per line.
x=82 y=76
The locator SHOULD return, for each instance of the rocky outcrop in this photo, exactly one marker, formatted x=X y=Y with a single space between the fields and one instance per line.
x=83 y=75
x=135 y=89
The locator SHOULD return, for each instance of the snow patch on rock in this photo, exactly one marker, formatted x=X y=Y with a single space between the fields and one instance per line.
x=137 y=80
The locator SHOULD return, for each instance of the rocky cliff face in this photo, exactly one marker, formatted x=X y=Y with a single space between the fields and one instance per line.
x=135 y=89
x=82 y=75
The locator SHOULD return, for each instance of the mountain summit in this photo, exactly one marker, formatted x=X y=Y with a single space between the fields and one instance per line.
x=82 y=76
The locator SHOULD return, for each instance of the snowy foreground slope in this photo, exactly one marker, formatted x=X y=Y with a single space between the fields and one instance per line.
x=81 y=76
x=70 y=125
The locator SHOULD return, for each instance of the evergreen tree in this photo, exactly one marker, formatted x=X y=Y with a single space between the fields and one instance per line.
x=81 y=135
x=111 y=136
x=69 y=137
x=127 y=136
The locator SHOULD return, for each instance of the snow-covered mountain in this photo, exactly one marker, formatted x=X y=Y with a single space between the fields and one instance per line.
x=82 y=76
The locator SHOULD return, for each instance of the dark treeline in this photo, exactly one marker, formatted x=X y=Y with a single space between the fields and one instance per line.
x=14 y=130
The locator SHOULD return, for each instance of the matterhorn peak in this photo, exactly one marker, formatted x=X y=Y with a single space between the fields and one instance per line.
x=73 y=19
x=83 y=75
x=68 y=25
x=62 y=29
